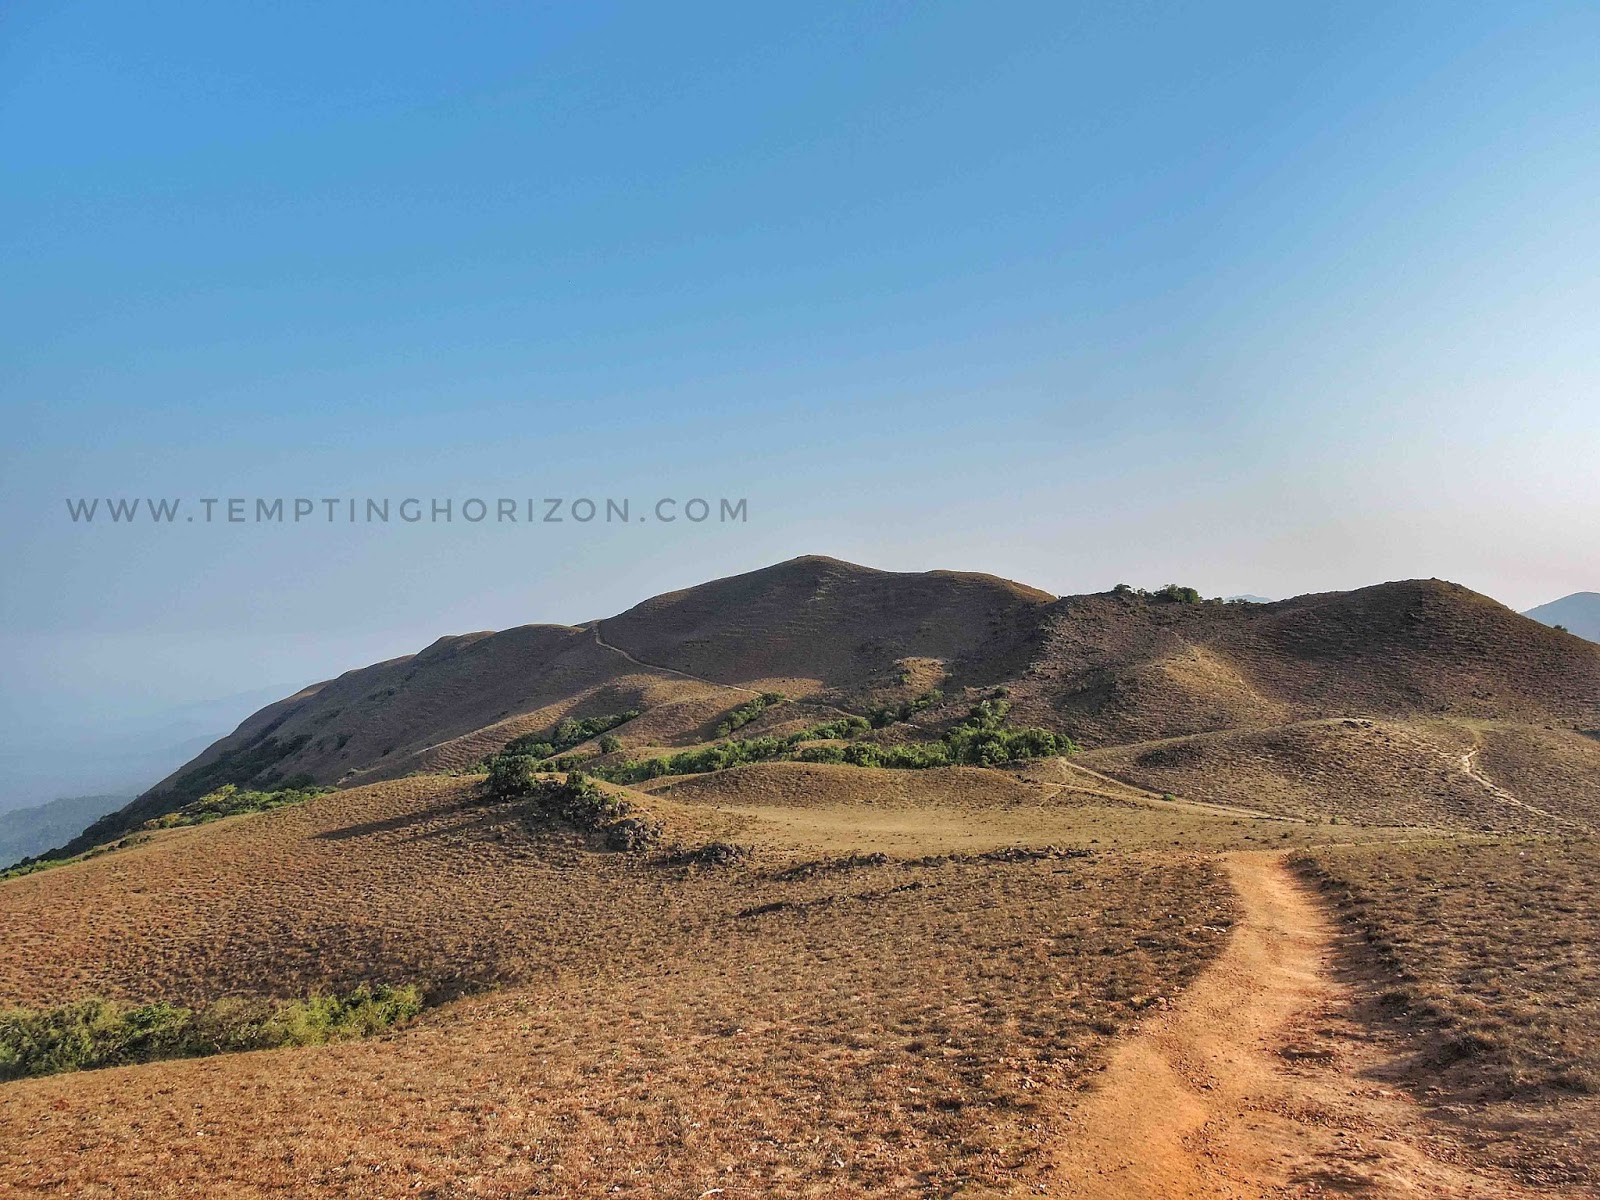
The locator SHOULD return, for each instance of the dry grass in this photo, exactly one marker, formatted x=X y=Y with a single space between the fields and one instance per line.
x=1490 y=952
x=1359 y=770
x=839 y=1030
x=819 y=808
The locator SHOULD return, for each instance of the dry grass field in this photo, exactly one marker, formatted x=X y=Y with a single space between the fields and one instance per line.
x=782 y=1027
x=1489 y=953
x=1358 y=770
x=873 y=982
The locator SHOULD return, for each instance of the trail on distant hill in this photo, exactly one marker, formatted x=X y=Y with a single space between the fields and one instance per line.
x=1121 y=790
x=1254 y=1085
x=1469 y=766
x=605 y=645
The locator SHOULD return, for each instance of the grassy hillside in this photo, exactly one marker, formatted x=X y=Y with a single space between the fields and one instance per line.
x=1110 y=670
x=817 y=974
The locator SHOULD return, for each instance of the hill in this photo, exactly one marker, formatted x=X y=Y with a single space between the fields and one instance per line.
x=28 y=831
x=824 y=971
x=1109 y=669
x=1579 y=613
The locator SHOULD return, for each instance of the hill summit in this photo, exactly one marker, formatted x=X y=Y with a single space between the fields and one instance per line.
x=1108 y=669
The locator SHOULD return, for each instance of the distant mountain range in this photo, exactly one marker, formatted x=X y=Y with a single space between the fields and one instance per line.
x=1578 y=613
x=25 y=832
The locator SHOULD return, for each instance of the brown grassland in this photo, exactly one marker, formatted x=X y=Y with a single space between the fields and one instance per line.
x=789 y=1026
x=830 y=981
x=1488 y=955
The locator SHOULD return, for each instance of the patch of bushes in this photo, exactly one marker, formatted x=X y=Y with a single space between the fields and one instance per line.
x=869 y=754
x=890 y=714
x=106 y=1033
x=720 y=757
x=983 y=739
x=230 y=801
x=43 y=862
x=745 y=713
x=566 y=734
x=575 y=800
x=839 y=729
x=1172 y=593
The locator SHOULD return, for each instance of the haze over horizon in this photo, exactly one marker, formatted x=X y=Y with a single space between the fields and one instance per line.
x=1249 y=299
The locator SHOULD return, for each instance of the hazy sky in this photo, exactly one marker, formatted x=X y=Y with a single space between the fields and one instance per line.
x=1259 y=298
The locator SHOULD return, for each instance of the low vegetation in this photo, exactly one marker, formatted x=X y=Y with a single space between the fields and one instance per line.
x=566 y=734
x=984 y=738
x=889 y=714
x=1487 y=949
x=576 y=800
x=232 y=801
x=745 y=713
x=106 y=1033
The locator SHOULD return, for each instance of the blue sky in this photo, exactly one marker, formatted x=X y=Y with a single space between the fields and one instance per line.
x=1265 y=298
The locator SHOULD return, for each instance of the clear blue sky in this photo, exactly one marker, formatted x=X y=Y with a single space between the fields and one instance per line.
x=1266 y=298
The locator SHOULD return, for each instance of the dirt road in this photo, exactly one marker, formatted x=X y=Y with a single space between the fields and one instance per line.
x=1254 y=1085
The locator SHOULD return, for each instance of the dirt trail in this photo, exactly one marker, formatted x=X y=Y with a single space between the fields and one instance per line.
x=1469 y=766
x=1070 y=772
x=1254 y=1085
x=638 y=662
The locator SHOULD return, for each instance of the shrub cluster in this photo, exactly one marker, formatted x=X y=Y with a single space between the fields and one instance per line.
x=886 y=714
x=566 y=734
x=1172 y=593
x=230 y=801
x=720 y=757
x=575 y=800
x=982 y=739
x=106 y=1033
x=745 y=713
x=842 y=727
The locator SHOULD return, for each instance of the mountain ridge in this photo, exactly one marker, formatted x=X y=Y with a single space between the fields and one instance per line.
x=1579 y=613
x=1106 y=668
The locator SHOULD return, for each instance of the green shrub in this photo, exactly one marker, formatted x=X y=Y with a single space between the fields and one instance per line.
x=1174 y=594
x=230 y=801
x=745 y=713
x=843 y=727
x=905 y=710
x=982 y=739
x=513 y=775
x=610 y=743
x=105 y=1033
x=566 y=734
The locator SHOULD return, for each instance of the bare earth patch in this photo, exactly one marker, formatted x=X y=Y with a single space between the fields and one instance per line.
x=1256 y=1084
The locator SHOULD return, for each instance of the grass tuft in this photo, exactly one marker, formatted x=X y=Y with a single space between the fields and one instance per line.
x=94 y=1033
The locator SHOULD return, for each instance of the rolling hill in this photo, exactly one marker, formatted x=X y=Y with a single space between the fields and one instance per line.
x=825 y=976
x=1579 y=613
x=1111 y=669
